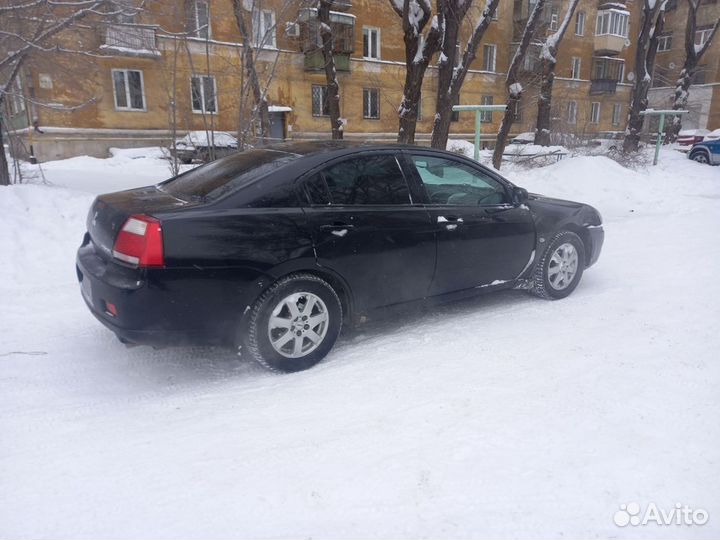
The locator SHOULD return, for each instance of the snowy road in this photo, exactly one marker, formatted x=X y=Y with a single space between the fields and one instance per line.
x=502 y=416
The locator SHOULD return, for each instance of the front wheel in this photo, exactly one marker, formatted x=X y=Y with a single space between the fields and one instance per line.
x=561 y=268
x=294 y=324
x=700 y=157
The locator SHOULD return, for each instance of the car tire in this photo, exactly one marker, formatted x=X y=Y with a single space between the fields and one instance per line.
x=561 y=267
x=700 y=157
x=282 y=335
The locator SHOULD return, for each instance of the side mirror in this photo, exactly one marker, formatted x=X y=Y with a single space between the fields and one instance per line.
x=519 y=195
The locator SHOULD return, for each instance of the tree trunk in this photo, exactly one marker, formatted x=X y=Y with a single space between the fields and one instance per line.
x=692 y=59
x=549 y=56
x=650 y=27
x=450 y=75
x=333 y=88
x=4 y=166
x=514 y=89
x=248 y=59
x=543 y=125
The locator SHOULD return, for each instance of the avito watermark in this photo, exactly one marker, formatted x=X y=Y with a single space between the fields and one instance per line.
x=680 y=514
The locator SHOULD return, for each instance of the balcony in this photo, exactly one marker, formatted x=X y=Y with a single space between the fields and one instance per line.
x=314 y=61
x=131 y=40
x=606 y=74
x=609 y=44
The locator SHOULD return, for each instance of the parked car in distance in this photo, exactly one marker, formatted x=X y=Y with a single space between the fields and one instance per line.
x=196 y=145
x=688 y=137
x=714 y=135
x=271 y=251
x=523 y=138
x=707 y=151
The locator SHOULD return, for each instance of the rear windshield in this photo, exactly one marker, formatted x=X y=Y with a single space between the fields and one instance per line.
x=215 y=179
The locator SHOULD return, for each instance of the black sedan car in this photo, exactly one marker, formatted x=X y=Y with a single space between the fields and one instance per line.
x=272 y=250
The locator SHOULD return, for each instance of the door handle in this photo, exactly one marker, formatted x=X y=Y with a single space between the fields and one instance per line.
x=337 y=228
x=450 y=222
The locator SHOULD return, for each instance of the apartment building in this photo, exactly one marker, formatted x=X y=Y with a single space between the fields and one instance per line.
x=179 y=63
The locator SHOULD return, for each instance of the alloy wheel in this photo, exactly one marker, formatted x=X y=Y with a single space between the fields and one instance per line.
x=298 y=324
x=563 y=266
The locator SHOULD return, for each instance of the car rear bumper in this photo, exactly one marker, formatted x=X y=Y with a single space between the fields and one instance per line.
x=148 y=313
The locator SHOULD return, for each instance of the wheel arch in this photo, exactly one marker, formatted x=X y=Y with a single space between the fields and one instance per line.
x=700 y=150
x=584 y=235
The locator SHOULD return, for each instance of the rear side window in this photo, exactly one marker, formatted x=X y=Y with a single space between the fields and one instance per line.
x=367 y=180
x=225 y=175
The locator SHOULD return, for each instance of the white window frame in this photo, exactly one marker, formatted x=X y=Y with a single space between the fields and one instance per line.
x=554 y=18
x=486 y=116
x=575 y=67
x=196 y=16
x=367 y=102
x=17 y=99
x=202 y=94
x=616 y=114
x=664 y=43
x=494 y=57
x=323 y=90
x=371 y=31
x=612 y=22
x=264 y=36
x=595 y=112
x=572 y=111
x=129 y=108
x=703 y=34
x=580 y=23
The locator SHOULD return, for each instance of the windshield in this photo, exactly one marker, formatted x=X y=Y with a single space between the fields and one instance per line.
x=215 y=179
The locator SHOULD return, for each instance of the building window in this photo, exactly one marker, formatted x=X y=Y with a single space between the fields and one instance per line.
x=371 y=103
x=702 y=35
x=489 y=56
x=455 y=115
x=263 y=21
x=612 y=22
x=595 y=112
x=201 y=19
x=17 y=97
x=572 y=112
x=128 y=89
x=617 y=110
x=575 y=68
x=371 y=43
x=664 y=43
x=486 y=116
x=203 y=93
x=320 y=101
x=580 y=23
x=554 y=16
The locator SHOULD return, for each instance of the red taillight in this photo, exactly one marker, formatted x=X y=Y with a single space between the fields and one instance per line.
x=140 y=242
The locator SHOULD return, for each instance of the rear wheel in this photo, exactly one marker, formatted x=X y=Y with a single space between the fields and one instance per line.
x=700 y=157
x=561 y=268
x=294 y=324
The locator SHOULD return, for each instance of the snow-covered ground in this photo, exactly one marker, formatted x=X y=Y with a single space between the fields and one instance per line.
x=503 y=416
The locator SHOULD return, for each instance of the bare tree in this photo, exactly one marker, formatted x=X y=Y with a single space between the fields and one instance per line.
x=693 y=55
x=514 y=88
x=249 y=65
x=33 y=28
x=548 y=60
x=651 y=24
x=451 y=76
x=333 y=87
x=419 y=50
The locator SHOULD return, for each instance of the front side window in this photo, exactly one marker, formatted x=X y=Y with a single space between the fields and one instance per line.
x=371 y=103
x=204 y=98
x=489 y=57
x=320 y=101
x=263 y=21
x=128 y=89
x=454 y=183
x=371 y=43
x=368 y=180
x=580 y=23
